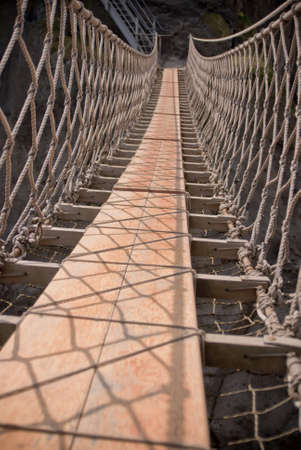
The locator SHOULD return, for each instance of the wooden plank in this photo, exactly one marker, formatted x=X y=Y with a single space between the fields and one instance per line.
x=187 y=128
x=190 y=142
x=291 y=344
x=186 y=133
x=199 y=203
x=186 y=118
x=93 y=195
x=186 y=122
x=198 y=189
x=61 y=237
x=197 y=176
x=118 y=161
x=224 y=287
x=137 y=135
x=245 y=353
x=30 y=272
x=209 y=222
x=142 y=127
x=195 y=166
x=146 y=119
x=190 y=149
x=217 y=248
x=133 y=141
x=110 y=170
x=193 y=158
x=100 y=182
x=68 y=211
x=7 y=327
x=125 y=152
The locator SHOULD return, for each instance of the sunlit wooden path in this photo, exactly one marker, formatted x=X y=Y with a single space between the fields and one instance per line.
x=109 y=356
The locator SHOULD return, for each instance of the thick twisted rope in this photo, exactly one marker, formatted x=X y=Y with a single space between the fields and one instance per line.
x=103 y=85
x=246 y=105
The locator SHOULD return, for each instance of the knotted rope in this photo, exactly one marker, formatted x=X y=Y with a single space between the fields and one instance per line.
x=246 y=105
x=96 y=88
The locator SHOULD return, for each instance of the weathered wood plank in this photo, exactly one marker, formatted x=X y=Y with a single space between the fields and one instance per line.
x=245 y=353
x=126 y=151
x=110 y=170
x=189 y=149
x=68 y=211
x=195 y=166
x=199 y=203
x=209 y=222
x=33 y=272
x=188 y=134
x=191 y=142
x=118 y=161
x=189 y=128
x=100 y=182
x=61 y=237
x=193 y=158
x=198 y=189
x=7 y=327
x=217 y=248
x=224 y=287
x=197 y=176
x=93 y=195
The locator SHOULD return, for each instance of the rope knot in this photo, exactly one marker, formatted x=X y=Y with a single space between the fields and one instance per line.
x=294 y=379
x=3 y=254
x=292 y=323
x=246 y=251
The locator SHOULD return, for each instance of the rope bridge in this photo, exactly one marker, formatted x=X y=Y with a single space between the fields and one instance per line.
x=207 y=160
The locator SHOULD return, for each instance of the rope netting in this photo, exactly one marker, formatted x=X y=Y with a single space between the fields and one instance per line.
x=85 y=90
x=258 y=415
x=246 y=107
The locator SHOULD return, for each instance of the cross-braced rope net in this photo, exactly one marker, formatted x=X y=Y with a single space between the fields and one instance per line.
x=246 y=106
x=85 y=89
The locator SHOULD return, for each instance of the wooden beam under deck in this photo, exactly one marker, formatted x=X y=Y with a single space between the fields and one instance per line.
x=101 y=182
x=224 y=287
x=69 y=211
x=197 y=176
x=93 y=195
x=60 y=237
x=28 y=272
x=198 y=189
x=244 y=353
x=110 y=170
x=8 y=325
x=217 y=248
x=210 y=203
x=209 y=222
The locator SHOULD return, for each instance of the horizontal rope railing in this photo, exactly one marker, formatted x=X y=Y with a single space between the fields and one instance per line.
x=246 y=105
x=85 y=91
x=251 y=28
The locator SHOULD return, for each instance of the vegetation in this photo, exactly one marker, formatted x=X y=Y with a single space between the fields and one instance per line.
x=217 y=24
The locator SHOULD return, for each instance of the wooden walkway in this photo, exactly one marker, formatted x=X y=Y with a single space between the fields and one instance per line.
x=109 y=356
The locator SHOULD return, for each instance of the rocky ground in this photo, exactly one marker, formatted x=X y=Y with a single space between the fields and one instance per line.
x=202 y=18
